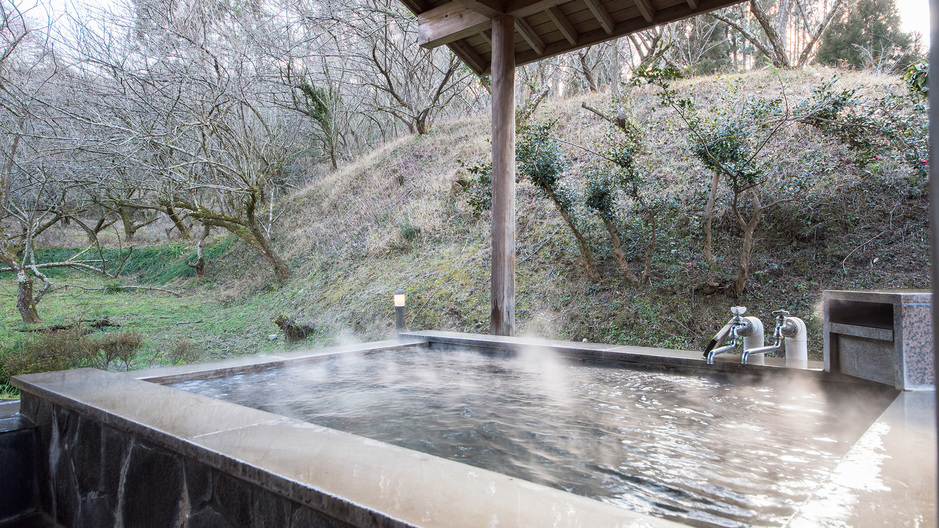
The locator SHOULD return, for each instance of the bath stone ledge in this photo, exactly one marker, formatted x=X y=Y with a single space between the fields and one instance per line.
x=225 y=367
x=888 y=478
x=625 y=353
x=9 y=408
x=345 y=476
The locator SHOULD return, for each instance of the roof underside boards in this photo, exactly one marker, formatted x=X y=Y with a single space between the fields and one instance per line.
x=543 y=28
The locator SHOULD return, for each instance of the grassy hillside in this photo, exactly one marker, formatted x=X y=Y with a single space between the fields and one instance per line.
x=398 y=217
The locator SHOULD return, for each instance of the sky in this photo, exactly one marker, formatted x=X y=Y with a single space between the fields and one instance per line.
x=915 y=16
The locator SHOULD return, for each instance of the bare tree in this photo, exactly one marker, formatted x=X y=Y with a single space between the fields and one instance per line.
x=200 y=124
x=412 y=84
x=38 y=158
x=770 y=34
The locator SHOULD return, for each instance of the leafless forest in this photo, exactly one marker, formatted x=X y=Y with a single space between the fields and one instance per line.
x=205 y=113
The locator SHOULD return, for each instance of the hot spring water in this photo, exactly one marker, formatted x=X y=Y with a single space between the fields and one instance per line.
x=711 y=450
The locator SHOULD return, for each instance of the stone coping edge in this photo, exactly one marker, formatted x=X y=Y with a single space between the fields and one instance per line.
x=631 y=355
x=350 y=478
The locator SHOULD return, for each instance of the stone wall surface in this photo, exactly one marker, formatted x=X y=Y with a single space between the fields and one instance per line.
x=882 y=336
x=95 y=476
x=19 y=492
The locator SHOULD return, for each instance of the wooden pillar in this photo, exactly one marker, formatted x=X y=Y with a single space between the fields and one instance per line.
x=933 y=156
x=503 y=176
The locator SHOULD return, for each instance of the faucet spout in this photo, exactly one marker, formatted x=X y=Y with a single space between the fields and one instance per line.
x=738 y=327
x=719 y=337
x=775 y=347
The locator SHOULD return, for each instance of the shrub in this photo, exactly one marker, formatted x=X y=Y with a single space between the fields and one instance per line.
x=66 y=348
x=478 y=187
x=110 y=348
x=45 y=352
x=184 y=350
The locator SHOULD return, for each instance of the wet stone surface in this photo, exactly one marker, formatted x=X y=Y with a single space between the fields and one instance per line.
x=19 y=495
x=97 y=476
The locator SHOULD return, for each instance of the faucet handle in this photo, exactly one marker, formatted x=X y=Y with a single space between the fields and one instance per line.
x=783 y=313
x=738 y=310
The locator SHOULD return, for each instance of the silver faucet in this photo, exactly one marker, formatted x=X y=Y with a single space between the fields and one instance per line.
x=777 y=338
x=738 y=327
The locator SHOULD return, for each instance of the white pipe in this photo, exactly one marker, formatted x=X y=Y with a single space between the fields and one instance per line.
x=754 y=340
x=797 y=348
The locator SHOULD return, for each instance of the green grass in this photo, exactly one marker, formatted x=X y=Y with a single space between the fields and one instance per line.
x=156 y=264
x=216 y=329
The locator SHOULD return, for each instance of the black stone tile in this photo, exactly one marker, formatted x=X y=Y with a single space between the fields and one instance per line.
x=115 y=450
x=20 y=492
x=65 y=489
x=304 y=517
x=233 y=497
x=97 y=510
x=35 y=520
x=87 y=456
x=198 y=484
x=268 y=509
x=152 y=489
x=210 y=518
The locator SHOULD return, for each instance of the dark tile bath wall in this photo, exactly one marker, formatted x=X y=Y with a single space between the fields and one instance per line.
x=19 y=493
x=94 y=475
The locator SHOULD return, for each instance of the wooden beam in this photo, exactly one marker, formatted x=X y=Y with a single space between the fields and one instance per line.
x=488 y=9
x=529 y=35
x=625 y=27
x=563 y=24
x=469 y=56
x=502 y=288
x=525 y=8
x=645 y=7
x=599 y=12
x=461 y=18
x=449 y=23
x=416 y=6
x=487 y=36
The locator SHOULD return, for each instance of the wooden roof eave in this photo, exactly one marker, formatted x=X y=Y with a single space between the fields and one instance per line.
x=452 y=23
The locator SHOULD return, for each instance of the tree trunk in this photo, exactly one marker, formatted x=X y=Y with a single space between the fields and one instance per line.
x=708 y=218
x=199 y=266
x=281 y=271
x=130 y=229
x=6 y=178
x=813 y=38
x=780 y=54
x=649 y=249
x=618 y=250
x=782 y=23
x=581 y=241
x=333 y=156
x=588 y=74
x=24 y=298
x=177 y=222
x=617 y=73
x=748 y=227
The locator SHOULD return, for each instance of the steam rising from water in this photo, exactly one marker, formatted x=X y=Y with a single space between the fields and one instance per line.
x=707 y=450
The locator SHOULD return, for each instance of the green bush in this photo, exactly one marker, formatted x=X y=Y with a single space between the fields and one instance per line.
x=71 y=347
x=105 y=349
x=184 y=350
